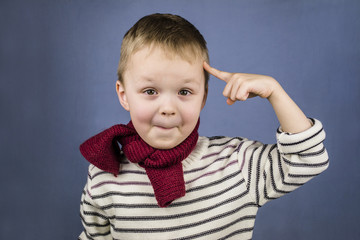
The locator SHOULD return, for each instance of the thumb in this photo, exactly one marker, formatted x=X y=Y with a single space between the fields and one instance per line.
x=229 y=101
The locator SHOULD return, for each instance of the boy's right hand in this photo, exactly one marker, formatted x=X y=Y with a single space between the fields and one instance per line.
x=241 y=86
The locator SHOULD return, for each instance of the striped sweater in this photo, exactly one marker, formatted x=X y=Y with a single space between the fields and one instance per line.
x=227 y=180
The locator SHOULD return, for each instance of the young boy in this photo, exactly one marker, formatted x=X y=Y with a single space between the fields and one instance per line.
x=155 y=178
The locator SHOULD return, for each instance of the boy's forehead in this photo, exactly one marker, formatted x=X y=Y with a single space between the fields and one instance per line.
x=149 y=64
x=156 y=58
x=186 y=54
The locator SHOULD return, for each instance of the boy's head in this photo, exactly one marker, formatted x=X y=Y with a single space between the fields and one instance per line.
x=174 y=34
x=162 y=82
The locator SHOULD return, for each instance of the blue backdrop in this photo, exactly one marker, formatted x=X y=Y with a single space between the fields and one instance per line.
x=58 y=63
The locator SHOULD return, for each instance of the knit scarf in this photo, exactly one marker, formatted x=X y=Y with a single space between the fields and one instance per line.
x=163 y=166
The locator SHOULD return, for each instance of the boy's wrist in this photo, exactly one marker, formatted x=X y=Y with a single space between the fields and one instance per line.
x=277 y=92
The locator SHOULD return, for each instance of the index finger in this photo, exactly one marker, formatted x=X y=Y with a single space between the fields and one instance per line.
x=217 y=73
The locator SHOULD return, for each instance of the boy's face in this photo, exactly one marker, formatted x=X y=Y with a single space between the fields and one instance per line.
x=164 y=95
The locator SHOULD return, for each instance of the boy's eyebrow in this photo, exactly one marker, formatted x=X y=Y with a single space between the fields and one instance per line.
x=146 y=78
x=192 y=81
x=189 y=80
x=149 y=79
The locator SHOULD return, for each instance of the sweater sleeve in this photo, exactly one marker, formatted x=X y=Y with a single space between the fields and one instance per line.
x=95 y=222
x=274 y=170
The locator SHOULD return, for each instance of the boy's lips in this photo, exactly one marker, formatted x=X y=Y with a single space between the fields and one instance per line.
x=164 y=127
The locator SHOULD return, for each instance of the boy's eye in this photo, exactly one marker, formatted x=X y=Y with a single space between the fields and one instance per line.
x=150 y=92
x=184 y=92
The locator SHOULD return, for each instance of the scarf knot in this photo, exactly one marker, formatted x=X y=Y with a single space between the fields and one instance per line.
x=162 y=166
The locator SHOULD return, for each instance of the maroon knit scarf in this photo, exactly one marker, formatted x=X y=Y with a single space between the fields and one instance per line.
x=163 y=167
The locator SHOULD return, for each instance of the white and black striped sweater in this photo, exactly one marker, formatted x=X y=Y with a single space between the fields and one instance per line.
x=227 y=180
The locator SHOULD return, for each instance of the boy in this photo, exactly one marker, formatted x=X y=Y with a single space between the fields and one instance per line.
x=166 y=182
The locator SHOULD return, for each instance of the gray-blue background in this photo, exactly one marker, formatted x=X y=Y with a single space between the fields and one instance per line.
x=58 y=63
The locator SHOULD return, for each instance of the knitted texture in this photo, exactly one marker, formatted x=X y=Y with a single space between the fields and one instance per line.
x=163 y=166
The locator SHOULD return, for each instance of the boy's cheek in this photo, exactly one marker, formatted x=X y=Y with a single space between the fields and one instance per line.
x=191 y=110
x=141 y=112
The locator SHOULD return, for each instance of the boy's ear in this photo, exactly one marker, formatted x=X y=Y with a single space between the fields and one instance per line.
x=120 y=89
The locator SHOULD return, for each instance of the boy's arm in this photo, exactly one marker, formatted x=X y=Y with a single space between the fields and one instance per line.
x=241 y=86
x=95 y=222
x=290 y=116
x=276 y=169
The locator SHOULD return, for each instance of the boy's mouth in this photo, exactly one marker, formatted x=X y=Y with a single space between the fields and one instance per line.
x=164 y=128
x=166 y=125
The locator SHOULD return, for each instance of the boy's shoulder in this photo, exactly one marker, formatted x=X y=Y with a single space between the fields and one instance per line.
x=216 y=145
x=223 y=141
x=95 y=173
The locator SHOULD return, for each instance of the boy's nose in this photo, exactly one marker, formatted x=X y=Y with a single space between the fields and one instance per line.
x=167 y=108
x=167 y=112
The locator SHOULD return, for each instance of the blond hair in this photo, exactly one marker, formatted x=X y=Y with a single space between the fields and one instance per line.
x=171 y=32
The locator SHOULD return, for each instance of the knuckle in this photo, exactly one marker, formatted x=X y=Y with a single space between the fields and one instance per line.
x=234 y=78
x=241 y=96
